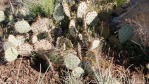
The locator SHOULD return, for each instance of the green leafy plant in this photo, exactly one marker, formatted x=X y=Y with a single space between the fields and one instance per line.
x=41 y=7
x=120 y=2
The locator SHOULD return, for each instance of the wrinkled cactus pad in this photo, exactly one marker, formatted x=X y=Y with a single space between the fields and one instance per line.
x=125 y=33
x=71 y=61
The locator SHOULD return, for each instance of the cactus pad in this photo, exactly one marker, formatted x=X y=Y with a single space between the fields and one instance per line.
x=20 y=39
x=125 y=33
x=58 y=13
x=87 y=67
x=61 y=41
x=66 y=9
x=95 y=44
x=91 y=18
x=22 y=26
x=78 y=72
x=71 y=61
x=7 y=44
x=55 y=57
x=25 y=49
x=42 y=45
x=2 y=16
x=34 y=39
x=16 y=41
x=72 y=24
x=11 y=54
x=82 y=9
x=72 y=28
x=23 y=11
x=40 y=26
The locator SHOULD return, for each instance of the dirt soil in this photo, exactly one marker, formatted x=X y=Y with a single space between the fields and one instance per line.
x=22 y=73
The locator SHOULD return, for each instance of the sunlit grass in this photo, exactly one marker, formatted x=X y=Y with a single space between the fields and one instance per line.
x=41 y=7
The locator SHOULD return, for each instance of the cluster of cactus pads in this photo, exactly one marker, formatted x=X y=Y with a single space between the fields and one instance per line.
x=26 y=38
x=18 y=44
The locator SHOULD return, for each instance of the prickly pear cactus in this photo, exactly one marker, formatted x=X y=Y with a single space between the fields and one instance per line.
x=71 y=2
x=87 y=66
x=147 y=66
x=22 y=26
x=72 y=28
x=11 y=54
x=40 y=26
x=2 y=16
x=64 y=42
x=78 y=72
x=7 y=44
x=20 y=39
x=34 y=39
x=125 y=33
x=42 y=45
x=72 y=24
x=25 y=49
x=58 y=13
x=66 y=8
x=55 y=57
x=13 y=40
x=90 y=70
x=82 y=9
x=95 y=44
x=16 y=41
x=91 y=18
x=23 y=11
x=71 y=61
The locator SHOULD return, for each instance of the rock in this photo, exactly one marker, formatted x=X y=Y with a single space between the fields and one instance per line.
x=137 y=16
x=3 y=4
x=118 y=11
x=126 y=5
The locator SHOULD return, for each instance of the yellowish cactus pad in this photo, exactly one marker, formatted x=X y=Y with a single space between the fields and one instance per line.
x=2 y=16
x=11 y=54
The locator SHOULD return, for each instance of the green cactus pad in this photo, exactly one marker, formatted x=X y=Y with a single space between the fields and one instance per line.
x=58 y=13
x=87 y=66
x=61 y=41
x=71 y=61
x=55 y=57
x=125 y=33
